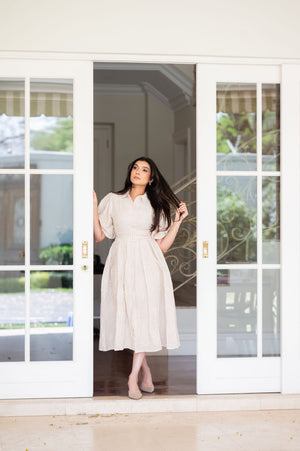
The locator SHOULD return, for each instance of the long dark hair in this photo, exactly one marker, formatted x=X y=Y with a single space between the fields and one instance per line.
x=159 y=193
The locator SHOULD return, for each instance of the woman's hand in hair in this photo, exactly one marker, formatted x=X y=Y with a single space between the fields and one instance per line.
x=166 y=242
x=181 y=212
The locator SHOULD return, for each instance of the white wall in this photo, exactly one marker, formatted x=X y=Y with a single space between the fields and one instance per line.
x=186 y=118
x=160 y=131
x=141 y=126
x=256 y=28
x=127 y=113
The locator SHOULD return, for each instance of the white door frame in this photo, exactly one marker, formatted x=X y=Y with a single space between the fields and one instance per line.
x=290 y=223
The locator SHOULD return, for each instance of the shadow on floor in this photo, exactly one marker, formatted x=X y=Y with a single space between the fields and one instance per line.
x=172 y=375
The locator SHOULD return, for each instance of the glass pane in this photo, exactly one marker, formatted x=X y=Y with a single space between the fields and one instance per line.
x=12 y=316
x=12 y=123
x=237 y=318
x=12 y=236
x=271 y=127
x=51 y=124
x=51 y=315
x=271 y=219
x=271 y=312
x=51 y=219
x=236 y=219
x=236 y=126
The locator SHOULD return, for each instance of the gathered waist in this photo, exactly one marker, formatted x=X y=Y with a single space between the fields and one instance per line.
x=133 y=236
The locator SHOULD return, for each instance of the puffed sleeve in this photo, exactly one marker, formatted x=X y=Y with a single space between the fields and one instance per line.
x=105 y=216
x=163 y=229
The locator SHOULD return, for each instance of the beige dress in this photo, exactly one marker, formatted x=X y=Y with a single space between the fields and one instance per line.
x=137 y=302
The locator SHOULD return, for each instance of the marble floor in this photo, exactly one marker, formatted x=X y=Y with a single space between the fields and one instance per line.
x=207 y=431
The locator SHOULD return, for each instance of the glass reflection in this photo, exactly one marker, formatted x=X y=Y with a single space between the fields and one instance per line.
x=12 y=220
x=12 y=316
x=236 y=126
x=51 y=124
x=271 y=127
x=51 y=219
x=271 y=219
x=271 y=312
x=51 y=315
x=12 y=123
x=237 y=313
x=236 y=219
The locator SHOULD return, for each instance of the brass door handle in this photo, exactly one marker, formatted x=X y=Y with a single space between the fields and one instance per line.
x=84 y=249
x=205 y=249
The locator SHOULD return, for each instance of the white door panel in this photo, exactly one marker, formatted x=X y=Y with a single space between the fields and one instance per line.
x=46 y=213
x=238 y=284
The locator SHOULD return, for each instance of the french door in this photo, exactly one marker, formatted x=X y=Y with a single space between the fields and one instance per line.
x=239 y=258
x=46 y=143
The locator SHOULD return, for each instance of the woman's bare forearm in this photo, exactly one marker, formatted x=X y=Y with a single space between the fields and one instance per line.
x=166 y=242
x=98 y=232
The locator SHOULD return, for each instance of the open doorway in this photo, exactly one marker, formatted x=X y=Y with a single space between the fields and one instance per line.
x=149 y=109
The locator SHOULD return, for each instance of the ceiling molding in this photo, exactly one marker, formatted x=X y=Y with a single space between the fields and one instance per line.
x=113 y=88
x=169 y=70
x=180 y=101
x=149 y=89
x=183 y=83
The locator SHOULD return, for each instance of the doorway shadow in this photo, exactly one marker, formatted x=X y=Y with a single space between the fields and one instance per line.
x=149 y=109
x=172 y=375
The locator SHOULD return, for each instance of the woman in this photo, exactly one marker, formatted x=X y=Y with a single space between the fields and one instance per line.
x=137 y=302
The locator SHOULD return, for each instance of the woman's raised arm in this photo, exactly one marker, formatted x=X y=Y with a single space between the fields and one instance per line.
x=166 y=242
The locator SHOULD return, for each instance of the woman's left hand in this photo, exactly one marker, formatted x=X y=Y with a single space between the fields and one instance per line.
x=181 y=212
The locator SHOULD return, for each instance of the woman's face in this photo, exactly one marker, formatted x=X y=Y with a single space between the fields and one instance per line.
x=140 y=173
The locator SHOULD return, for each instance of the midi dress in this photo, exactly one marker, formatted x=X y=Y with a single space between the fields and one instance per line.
x=137 y=302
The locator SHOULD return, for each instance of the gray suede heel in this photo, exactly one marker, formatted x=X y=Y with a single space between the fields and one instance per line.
x=134 y=395
x=147 y=388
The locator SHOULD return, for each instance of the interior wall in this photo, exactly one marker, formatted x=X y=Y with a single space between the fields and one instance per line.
x=127 y=113
x=160 y=131
x=186 y=118
x=194 y=27
x=138 y=130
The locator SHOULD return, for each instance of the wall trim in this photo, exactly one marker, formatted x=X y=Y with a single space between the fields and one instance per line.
x=147 y=58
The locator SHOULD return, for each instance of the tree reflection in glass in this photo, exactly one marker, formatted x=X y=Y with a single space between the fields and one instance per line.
x=236 y=126
x=236 y=220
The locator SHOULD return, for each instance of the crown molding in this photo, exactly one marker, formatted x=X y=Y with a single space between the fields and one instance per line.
x=149 y=89
x=174 y=104
x=117 y=89
x=172 y=73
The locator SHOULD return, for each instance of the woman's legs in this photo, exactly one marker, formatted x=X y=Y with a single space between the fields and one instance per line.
x=137 y=361
x=146 y=373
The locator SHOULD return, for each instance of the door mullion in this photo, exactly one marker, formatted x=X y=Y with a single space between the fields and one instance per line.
x=259 y=216
x=27 y=219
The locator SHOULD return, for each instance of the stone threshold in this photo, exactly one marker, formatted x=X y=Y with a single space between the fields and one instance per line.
x=148 y=404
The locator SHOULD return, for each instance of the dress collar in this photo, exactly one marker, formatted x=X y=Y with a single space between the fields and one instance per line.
x=142 y=196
